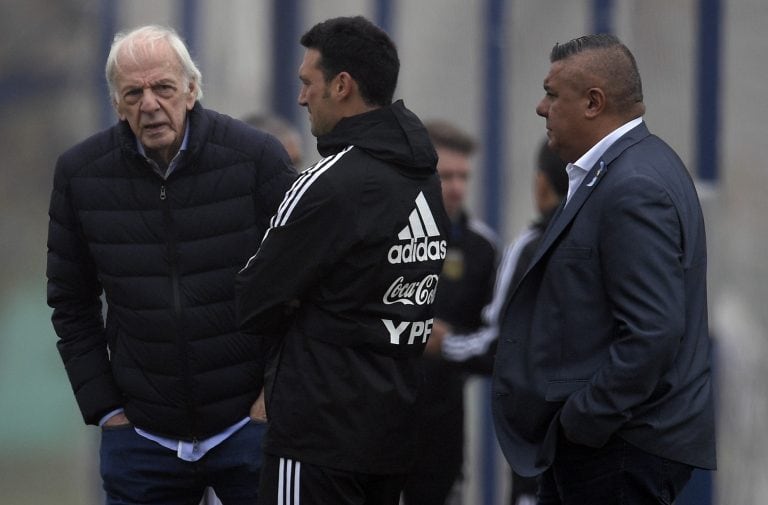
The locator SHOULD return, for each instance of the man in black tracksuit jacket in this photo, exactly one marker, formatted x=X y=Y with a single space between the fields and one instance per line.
x=343 y=285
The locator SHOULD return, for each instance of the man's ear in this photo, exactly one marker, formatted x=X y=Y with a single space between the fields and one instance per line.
x=192 y=94
x=595 y=102
x=343 y=85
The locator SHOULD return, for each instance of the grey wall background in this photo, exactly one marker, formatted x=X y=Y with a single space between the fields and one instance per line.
x=51 y=96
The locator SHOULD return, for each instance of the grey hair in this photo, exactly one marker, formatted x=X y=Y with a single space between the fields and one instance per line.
x=131 y=42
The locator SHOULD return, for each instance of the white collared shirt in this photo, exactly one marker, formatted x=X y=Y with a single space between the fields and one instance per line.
x=578 y=170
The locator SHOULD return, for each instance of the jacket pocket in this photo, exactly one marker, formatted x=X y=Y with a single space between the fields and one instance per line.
x=560 y=390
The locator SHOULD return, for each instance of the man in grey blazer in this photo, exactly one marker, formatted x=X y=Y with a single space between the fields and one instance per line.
x=602 y=378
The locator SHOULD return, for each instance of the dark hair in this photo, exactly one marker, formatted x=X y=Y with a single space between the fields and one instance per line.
x=613 y=62
x=549 y=163
x=360 y=48
x=444 y=134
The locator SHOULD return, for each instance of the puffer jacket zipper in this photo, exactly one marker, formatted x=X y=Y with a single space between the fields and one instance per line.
x=181 y=341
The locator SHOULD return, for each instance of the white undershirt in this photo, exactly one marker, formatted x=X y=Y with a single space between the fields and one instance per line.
x=578 y=170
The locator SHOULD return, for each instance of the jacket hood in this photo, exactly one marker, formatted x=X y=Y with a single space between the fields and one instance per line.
x=392 y=134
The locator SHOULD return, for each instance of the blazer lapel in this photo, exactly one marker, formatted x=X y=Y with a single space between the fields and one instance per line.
x=566 y=213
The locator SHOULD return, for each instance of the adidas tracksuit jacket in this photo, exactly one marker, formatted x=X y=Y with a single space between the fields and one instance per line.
x=341 y=290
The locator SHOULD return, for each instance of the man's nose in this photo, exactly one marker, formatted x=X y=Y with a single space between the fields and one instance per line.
x=149 y=101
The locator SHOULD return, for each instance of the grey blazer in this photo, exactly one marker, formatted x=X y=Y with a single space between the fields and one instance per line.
x=606 y=333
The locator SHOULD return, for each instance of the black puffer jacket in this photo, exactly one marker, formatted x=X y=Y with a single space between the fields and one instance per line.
x=165 y=253
x=344 y=282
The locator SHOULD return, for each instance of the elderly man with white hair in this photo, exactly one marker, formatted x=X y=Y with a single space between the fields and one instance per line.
x=157 y=214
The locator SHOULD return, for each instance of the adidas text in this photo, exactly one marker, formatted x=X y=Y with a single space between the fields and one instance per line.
x=417 y=250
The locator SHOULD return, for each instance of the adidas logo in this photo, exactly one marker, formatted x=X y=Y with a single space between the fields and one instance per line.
x=421 y=226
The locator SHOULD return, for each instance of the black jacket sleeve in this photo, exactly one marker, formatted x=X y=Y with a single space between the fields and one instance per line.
x=74 y=294
x=305 y=238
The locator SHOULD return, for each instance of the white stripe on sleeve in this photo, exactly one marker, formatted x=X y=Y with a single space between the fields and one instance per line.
x=296 y=191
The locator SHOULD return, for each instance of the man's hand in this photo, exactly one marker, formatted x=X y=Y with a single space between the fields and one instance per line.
x=435 y=343
x=259 y=409
x=118 y=419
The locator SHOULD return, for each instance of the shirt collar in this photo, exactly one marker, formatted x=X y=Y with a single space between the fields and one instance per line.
x=591 y=157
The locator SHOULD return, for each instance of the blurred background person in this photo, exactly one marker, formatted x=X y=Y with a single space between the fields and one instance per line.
x=465 y=286
x=283 y=131
x=158 y=213
x=550 y=185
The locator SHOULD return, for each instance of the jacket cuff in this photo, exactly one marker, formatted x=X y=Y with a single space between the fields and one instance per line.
x=98 y=398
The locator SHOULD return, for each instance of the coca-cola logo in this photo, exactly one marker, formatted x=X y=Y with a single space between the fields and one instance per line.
x=412 y=293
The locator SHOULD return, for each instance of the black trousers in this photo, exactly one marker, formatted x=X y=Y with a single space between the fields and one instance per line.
x=430 y=488
x=615 y=474
x=289 y=482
